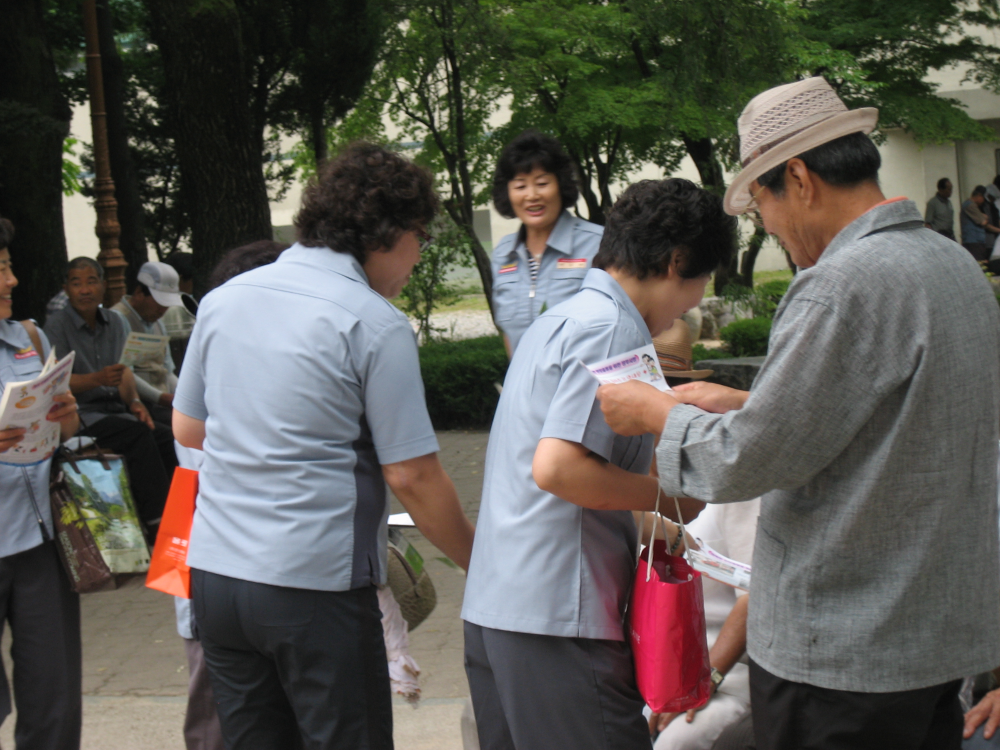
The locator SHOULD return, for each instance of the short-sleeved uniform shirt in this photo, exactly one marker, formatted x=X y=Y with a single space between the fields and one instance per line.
x=517 y=300
x=24 y=490
x=539 y=563
x=95 y=350
x=307 y=381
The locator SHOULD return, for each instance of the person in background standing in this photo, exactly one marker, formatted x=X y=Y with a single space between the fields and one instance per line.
x=35 y=595
x=976 y=224
x=940 y=216
x=544 y=262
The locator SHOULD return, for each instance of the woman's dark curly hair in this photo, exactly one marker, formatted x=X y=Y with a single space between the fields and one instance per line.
x=6 y=233
x=653 y=218
x=245 y=258
x=529 y=150
x=364 y=199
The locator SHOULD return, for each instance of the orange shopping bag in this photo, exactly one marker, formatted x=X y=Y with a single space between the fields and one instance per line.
x=168 y=568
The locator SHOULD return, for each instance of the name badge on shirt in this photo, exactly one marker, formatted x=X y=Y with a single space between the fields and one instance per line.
x=509 y=268
x=572 y=263
x=25 y=353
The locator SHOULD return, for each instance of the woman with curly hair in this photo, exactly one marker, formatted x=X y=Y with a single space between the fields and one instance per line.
x=302 y=386
x=544 y=262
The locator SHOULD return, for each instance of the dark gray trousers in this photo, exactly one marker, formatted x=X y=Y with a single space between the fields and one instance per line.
x=44 y=617
x=539 y=692
x=294 y=668
x=201 y=720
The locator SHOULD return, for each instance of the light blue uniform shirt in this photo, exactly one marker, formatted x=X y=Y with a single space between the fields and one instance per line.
x=307 y=381
x=24 y=490
x=516 y=300
x=539 y=563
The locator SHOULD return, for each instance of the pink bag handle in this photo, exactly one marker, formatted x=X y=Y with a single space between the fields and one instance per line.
x=652 y=536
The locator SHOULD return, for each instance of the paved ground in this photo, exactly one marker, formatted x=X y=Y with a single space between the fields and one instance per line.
x=135 y=671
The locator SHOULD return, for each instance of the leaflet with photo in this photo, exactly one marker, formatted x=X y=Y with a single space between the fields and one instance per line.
x=26 y=404
x=143 y=349
x=718 y=567
x=639 y=364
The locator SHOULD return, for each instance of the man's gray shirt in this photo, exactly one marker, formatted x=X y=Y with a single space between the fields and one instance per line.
x=873 y=429
x=940 y=214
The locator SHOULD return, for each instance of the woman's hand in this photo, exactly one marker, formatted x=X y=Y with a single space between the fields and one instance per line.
x=64 y=411
x=10 y=438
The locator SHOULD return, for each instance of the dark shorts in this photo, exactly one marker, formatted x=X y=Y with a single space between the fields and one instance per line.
x=294 y=668
x=539 y=692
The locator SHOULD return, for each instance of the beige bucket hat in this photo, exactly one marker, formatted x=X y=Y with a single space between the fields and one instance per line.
x=673 y=349
x=786 y=121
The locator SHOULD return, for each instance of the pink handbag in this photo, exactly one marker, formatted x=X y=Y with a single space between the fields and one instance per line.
x=667 y=628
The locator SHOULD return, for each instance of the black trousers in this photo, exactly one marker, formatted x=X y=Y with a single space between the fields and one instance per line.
x=795 y=716
x=294 y=668
x=543 y=692
x=149 y=456
x=979 y=250
x=44 y=617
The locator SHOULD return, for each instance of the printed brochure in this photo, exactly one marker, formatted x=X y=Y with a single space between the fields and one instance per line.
x=639 y=364
x=26 y=404
x=142 y=348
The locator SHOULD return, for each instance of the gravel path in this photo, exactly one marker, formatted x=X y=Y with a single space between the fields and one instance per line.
x=466 y=324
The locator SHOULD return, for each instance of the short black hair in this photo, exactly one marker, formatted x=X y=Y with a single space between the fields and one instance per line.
x=245 y=258
x=944 y=182
x=979 y=190
x=6 y=233
x=181 y=262
x=845 y=162
x=140 y=287
x=528 y=150
x=653 y=218
x=83 y=261
x=364 y=200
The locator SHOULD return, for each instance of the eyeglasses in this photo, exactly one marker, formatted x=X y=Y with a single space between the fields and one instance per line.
x=753 y=210
x=425 y=239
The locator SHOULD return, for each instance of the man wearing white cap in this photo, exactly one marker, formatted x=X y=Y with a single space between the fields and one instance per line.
x=871 y=431
x=156 y=291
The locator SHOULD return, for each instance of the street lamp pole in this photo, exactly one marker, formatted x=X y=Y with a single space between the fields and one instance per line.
x=108 y=229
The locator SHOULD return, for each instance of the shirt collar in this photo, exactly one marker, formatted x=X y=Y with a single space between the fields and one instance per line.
x=79 y=322
x=323 y=257
x=605 y=283
x=896 y=214
x=11 y=333
x=560 y=240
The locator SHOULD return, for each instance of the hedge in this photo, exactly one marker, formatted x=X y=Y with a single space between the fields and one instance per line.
x=459 y=379
x=747 y=337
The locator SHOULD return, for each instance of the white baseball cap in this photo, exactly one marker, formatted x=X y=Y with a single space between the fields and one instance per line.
x=163 y=283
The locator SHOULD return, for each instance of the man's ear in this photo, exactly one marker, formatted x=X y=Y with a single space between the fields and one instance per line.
x=800 y=180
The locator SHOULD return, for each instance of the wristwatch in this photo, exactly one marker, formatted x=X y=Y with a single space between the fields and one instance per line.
x=717 y=678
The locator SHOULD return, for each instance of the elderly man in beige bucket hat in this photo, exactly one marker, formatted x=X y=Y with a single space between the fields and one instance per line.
x=871 y=431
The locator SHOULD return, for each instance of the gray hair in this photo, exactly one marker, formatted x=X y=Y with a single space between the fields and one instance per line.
x=84 y=262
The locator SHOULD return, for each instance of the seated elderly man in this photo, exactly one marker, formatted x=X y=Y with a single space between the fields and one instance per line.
x=110 y=408
x=156 y=291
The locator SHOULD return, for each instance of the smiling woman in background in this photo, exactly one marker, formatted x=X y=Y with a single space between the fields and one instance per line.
x=544 y=262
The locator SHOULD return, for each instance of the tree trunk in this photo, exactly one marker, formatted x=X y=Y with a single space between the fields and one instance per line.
x=34 y=121
x=317 y=133
x=131 y=218
x=750 y=256
x=209 y=94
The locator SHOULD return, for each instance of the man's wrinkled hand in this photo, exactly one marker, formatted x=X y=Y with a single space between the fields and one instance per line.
x=111 y=375
x=988 y=710
x=142 y=414
x=712 y=397
x=635 y=408
x=10 y=438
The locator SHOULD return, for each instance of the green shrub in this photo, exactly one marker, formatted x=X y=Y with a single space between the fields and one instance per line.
x=748 y=337
x=700 y=352
x=458 y=380
x=762 y=300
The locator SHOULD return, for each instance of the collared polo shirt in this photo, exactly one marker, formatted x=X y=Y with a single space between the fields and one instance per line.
x=308 y=381
x=95 y=350
x=24 y=490
x=940 y=214
x=517 y=301
x=539 y=563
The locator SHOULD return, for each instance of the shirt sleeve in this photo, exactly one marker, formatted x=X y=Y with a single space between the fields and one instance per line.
x=146 y=391
x=190 y=396
x=817 y=388
x=393 y=392
x=574 y=413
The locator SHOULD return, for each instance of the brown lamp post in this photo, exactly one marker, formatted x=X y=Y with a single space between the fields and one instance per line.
x=108 y=229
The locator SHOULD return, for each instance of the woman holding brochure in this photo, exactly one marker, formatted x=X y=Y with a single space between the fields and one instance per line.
x=35 y=596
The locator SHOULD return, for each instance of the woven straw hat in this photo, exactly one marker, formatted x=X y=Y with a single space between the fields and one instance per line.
x=786 y=121
x=673 y=349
